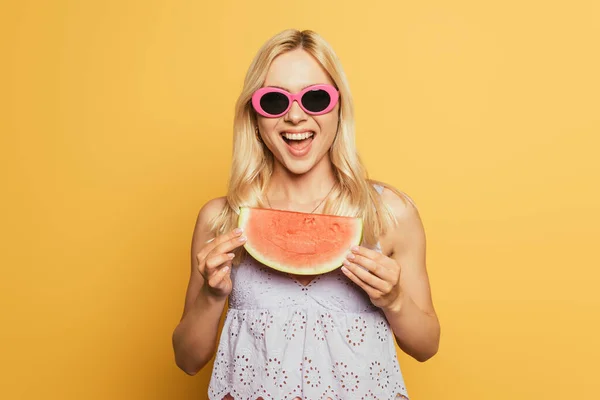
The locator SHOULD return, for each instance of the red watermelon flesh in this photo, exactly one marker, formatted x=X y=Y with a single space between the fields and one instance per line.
x=299 y=243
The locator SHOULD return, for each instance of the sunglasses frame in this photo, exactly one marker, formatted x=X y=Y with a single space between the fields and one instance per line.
x=333 y=93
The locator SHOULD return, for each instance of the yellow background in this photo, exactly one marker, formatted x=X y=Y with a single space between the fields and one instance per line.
x=115 y=122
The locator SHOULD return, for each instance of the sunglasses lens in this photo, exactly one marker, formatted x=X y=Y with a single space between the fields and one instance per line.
x=316 y=100
x=274 y=103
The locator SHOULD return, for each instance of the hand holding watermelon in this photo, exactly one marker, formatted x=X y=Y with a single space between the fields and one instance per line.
x=377 y=274
x=214 y=262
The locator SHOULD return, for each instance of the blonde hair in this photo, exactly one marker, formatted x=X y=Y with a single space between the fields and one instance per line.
x=252 y=162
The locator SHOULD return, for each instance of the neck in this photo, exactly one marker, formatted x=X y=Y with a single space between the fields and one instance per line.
x=300 y=192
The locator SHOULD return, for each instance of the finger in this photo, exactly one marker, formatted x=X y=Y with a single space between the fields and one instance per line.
x=365 y=276
x=217 y=280
x=366 y=252
x=229 y=245
x=214 y=242
x=374 y=267
x=372 y=292
x=213 y=262
x=371 y=254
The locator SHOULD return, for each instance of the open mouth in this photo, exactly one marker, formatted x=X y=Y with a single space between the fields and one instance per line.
x=298 y=141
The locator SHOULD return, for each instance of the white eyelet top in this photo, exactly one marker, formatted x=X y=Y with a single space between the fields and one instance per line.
x=283 y=340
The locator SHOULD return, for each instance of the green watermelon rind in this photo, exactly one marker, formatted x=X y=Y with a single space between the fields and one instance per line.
x=325 y=267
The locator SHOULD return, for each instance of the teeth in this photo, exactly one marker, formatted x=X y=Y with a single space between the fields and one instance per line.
x=297 y=136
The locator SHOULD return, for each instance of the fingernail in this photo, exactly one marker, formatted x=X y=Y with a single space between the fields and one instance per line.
x=225 y=269
x=237 y=231
x=230 y=255
x=354 y=248
x=350 y=256
x=242 y=238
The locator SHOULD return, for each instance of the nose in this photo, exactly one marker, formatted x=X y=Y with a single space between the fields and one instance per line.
x=295 y=114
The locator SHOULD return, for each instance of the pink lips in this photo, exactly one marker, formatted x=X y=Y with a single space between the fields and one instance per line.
x=302 y=151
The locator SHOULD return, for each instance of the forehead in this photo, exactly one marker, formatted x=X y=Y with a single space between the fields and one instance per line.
x=295 y=70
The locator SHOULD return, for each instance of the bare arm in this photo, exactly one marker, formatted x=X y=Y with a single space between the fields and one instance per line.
x=412 y=318
x=195 y=337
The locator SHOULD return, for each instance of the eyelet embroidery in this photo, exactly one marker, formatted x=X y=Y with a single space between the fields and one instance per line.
x=221 y=368
x=323 y=325
x=243 y=371
x=399 y=389
x=237 y=320
x=261 y=324
x=261 y=394
x=355 y=335
x=382 y=331
x=293 y=392
x=347 y=379
x=396 y=365
x=372 y=396
x=241 y=293
x=311 y=374
x=275 y=371
x=295 y=325
x=380 y=375
x=328 y=393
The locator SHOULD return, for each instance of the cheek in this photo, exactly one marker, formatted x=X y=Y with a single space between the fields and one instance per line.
x=328 y=123
x=266 y=125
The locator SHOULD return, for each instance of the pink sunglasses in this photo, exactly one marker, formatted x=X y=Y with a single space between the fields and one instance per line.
x=272 y=102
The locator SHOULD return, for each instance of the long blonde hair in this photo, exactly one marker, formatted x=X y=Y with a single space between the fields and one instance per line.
x=252 y=162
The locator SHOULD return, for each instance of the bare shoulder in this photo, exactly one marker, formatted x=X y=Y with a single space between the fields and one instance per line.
x=404 y=207
x=409 y=230
x=209 y=210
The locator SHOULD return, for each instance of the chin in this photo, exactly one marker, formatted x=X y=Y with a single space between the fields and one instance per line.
x=299 y=167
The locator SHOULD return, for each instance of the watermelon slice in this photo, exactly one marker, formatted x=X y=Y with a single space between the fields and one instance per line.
x=299 y=243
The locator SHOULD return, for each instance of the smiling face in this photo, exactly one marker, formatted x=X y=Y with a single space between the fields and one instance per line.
x=293 y=71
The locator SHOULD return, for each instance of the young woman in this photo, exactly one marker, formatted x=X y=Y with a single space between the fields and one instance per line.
x=321 y=337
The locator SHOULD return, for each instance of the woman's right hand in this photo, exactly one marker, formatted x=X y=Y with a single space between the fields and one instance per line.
x=214 y=262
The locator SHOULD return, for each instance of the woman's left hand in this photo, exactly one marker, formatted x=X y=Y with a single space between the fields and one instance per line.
x=379 y=276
